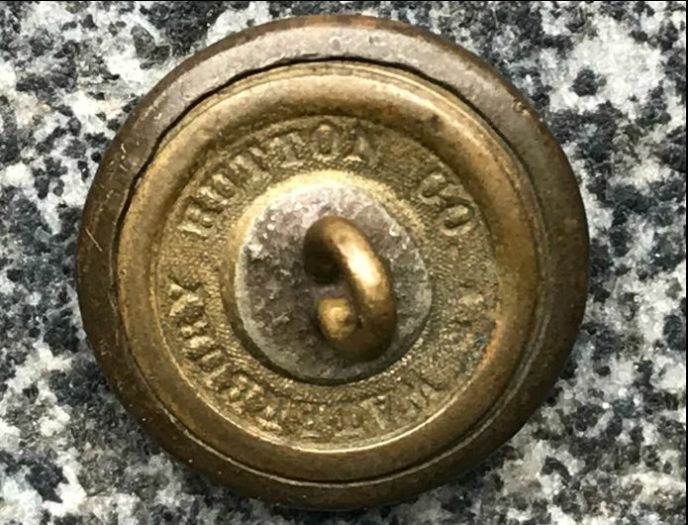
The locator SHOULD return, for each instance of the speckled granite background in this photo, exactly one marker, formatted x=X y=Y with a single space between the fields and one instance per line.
x=609 y=445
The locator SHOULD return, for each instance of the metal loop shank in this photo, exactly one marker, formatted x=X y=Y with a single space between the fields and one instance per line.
x=364 y=329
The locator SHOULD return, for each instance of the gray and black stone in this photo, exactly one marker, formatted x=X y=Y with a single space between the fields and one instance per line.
x=608 y=447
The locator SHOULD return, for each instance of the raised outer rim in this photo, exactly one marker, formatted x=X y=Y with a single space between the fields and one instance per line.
x=317 y=38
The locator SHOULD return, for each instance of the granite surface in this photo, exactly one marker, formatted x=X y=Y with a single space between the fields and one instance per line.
x=609 y=445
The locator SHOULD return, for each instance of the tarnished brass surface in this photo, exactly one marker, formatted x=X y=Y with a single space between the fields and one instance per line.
x=279 y=155
x=363 y=328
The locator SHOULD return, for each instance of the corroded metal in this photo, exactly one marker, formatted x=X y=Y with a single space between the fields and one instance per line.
x=272 y=300
x=463 y=288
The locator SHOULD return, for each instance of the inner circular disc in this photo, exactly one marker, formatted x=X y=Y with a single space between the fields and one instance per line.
x=435 y=167
x=274 y=300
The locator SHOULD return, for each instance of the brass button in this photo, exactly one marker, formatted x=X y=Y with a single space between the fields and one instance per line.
x=332 y=261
